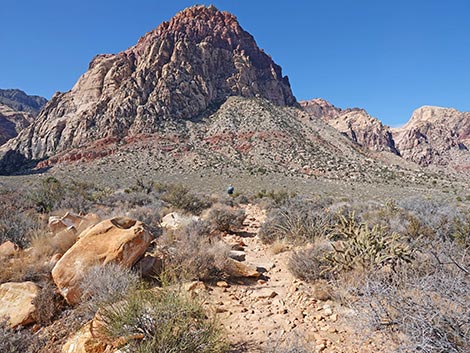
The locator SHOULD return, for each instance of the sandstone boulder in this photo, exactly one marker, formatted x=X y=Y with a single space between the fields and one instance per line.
x=8 y=249
x=239 y=269
x=118 y=240
x=16 y=302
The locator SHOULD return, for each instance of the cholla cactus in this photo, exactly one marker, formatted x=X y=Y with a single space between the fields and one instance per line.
x=358 y=245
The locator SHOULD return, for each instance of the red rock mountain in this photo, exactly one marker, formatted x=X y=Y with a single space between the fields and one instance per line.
x=436 y=136
x=182 y=70
x=355 y=123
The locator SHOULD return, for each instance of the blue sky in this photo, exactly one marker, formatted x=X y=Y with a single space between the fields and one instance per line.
x=389 y=57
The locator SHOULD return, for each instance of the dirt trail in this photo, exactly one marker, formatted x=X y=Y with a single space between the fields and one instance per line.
x=277 y=310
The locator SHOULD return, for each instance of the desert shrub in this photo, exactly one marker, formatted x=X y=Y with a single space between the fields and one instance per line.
x=278 y=196
x=149 y=216
x=225 y=218
x=104 y=284
x=17 y=219
x=180 y=197
x=462 y=229
x=44 y=244
x=296 y=221
x=18 y=340
x=356 y=245
x=433 y=215
x=430 y=312
x=49 y=304
x=47 y=194
x=192 y=253
x=311 y=263
x=161 y=321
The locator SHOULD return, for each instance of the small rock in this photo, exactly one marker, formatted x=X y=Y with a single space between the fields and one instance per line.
x=265 y=293
x=222 y=284
x=237 y=255
x=8 y=249
x=195 y=286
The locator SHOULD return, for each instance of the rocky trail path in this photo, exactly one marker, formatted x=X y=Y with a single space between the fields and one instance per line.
x=276 y=312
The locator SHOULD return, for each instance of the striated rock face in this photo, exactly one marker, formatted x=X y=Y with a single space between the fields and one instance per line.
x=435 y=136
x=355 y=123
x=184 y=68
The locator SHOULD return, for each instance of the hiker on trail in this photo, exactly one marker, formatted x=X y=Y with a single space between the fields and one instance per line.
x=230 y=190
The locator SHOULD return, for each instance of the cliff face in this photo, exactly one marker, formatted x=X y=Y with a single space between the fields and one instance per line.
x=435 y=136
x=355 y=123
x=183 y=69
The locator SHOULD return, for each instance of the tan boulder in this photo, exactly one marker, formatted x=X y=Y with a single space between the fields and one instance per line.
x=118 y=240
x=235 y=268
x=8 y=249
x=16 y=302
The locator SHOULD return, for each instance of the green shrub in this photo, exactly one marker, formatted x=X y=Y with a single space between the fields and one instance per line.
x=180 y=197
x=296 y=221
x=17 y=220
x=161 y=321
x=49 y=193
x=356 y=245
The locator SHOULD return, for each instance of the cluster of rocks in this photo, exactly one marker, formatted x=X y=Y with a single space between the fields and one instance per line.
x=119 y=240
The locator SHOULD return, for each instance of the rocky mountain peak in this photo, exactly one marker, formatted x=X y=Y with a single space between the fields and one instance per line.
x=182 y=70
x=435 y=136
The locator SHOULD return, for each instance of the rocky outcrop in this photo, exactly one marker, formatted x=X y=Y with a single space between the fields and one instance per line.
x=355 y=123
x=16 y=302
x=183 y=69
x=117 y=240
x=436 y=136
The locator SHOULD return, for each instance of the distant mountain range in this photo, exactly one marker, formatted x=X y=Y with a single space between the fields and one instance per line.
x=17 y=111
x=434 y=136
x=197 y=92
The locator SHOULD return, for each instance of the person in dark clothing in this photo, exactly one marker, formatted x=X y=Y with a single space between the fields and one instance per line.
x=230 y=190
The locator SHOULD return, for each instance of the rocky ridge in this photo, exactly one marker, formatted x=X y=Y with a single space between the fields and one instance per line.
x=433 y=137
x=180 y=71
x=355 y=123
x=17 y=111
